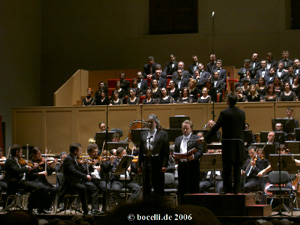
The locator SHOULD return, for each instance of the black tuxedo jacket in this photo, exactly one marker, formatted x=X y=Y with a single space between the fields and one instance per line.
x=287 y=78
x=259 y=74
x=222 y=74
x=232 y=121
x=185 y=74
x=192 y=68
x=255 y=170
x=147 y=69
x=272 y=63
x=220 y=85
x=169 y=70
x=286 y=63
x=144 y=87
x=184 y=83
x=162 y=82
x=200 y=81
x=257 y=66
x=125 y=85
x=14 y=173
x=161 y=147
x=191 y=144
x=210 y=67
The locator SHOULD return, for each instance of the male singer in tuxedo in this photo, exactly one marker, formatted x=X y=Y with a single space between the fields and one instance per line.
x=153 y=157
x=232 y=121
x=188 y=168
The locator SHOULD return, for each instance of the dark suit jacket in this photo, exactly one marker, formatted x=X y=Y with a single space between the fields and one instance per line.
x=211 y=67
x=259 y=166
x=286 y=63
x=257 y=66
x=191 y=144
x=222 y=74
x=243 y=70
x=273 y=64
x=232 y=121
x=184 y=83
x=144 y=87
x=287 y=79
x=191 y=68
x=161 y=83
x=161 y=147
x=125 y=85
x=147 y=71
x=185 y=74
x=259 y=74
x=14 y=173
x=220 y=85
x=169 y=70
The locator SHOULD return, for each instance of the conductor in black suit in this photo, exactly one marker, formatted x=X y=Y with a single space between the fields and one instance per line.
x=153 y=157
x=188 y=168
x=232 y=121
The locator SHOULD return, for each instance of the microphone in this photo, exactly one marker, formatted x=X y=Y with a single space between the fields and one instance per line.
x=213 y=14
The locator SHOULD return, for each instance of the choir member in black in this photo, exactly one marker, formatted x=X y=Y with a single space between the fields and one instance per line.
x=116 y=100
x=101 y=87
x=148 y=100
x=138 y=91
x=119 y=90
x=193 y=90
x=133 y=99
x=270 y=96
x=188 y=167
x=173 y=91
x=287 y=94
x=39 y=175
x=74 y=178
x=239 y=93
x=155 y=91
x=149 y=68
x=204 y=98
x=296 y=87
x=153 y=157
x=212 y=63
x=277 y=86
x=165 y=98
x=211 y=90
x=16 y=176
x=102 y=99
x=261 y=87
x=124 y=84
x=171 y=66
x=89 y=99
x=253 y=95
x=245 y=87
x=124 y=180
x=185 y=98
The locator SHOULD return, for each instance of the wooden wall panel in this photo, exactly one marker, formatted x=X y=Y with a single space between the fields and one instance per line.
x=59 y=129
x=28 y=128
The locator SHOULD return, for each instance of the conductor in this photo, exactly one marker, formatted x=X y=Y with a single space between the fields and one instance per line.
x=232 y=121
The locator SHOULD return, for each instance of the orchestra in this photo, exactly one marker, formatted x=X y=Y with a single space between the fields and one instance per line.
x=94 y=178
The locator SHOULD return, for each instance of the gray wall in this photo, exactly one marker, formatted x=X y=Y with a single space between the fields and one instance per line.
x=20 y=54
x=44 y=42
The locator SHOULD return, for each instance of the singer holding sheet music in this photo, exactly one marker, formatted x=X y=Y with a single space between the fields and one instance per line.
x=153 y=157
x=188 y=160
x=232 y=121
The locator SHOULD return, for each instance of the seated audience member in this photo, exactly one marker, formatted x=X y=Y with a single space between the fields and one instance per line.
x=204 y=98
x=285 y=59
x=155 y=91
x=181 y=81
x=250 y=170
x=102 y=99
x=148 y=100
x=253 y=95
x=124 y=84
x=184 y=97
x=165 y=98
x=88 y=100
x=133 y=100
x=124 y=180
x=161 y=82
x=171 y=66
x=270 y=96
x=287 y=94
x=149 y=68
x=121 y=92
x=261 y=87
x=173 y=91
x=193 y=90
x=116 y=100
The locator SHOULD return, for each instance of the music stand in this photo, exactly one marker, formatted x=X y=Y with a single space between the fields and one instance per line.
x=136 y=135
x=264 y=136
x=176 y=121
x=297 y=134
x=115 y=145
x=248 y=136
x=293 y=146
x=173 y=133
x=211 y=162
x=101 y=136
x=122 y=168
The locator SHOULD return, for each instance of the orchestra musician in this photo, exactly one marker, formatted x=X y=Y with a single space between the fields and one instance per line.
x=188 y=167
x=58 y=166
x=16 y=176
x=153 y=157
x=232 y=121
x=3 y=184
x=122 y=181
x=74 y=178
x=38 y=176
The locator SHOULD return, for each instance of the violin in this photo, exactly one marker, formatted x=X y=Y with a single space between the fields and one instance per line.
x=24 y=162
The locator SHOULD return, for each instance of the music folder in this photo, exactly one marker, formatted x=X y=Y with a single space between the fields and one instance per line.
x=123 y=164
